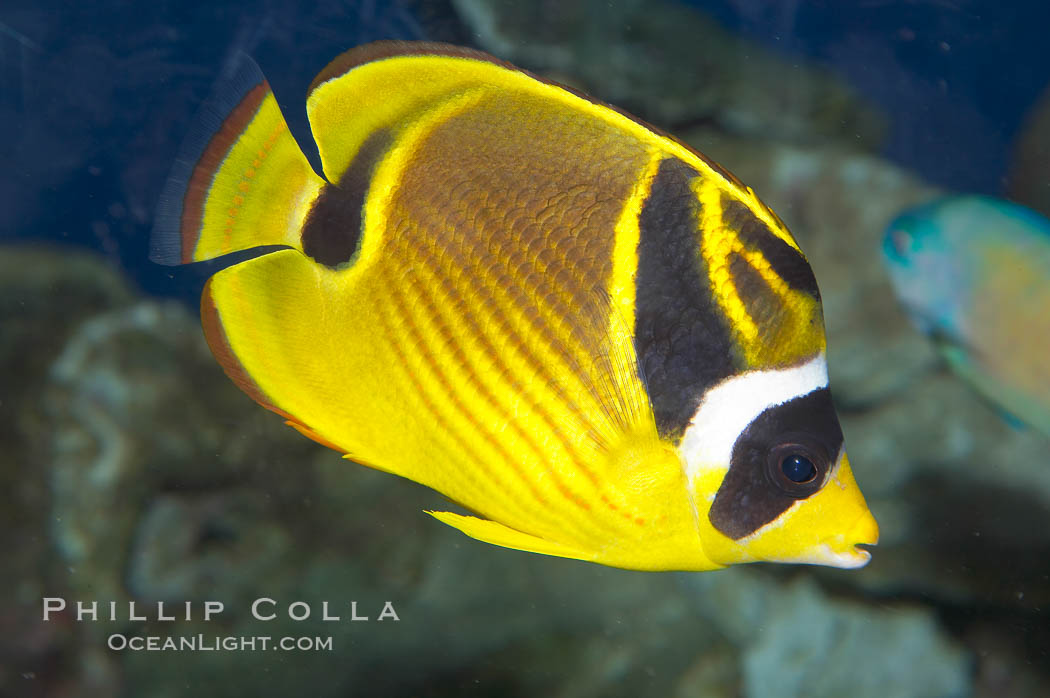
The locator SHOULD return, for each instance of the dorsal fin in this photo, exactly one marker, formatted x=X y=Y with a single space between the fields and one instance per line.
x=240 y=180
x=363 y=91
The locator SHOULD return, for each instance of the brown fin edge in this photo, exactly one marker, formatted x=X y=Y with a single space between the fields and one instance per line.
x=220 y=347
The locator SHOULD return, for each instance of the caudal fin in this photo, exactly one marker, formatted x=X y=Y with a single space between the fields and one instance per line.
x=240 y=180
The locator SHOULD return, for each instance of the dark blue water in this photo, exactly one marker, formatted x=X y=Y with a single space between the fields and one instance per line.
x=95 y=97
x=955 y=76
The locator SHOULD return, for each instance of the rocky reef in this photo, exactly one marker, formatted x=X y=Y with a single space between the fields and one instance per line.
x=156 y=480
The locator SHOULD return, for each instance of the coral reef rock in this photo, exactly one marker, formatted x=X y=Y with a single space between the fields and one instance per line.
x=672 y=65
x=796 y=641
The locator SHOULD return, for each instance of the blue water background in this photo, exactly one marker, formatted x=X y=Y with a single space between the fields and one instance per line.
x=95 y=97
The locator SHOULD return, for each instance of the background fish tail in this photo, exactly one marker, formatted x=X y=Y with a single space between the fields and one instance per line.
x=240 y=181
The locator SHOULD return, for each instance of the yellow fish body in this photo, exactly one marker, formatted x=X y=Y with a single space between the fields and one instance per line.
x=581 y=330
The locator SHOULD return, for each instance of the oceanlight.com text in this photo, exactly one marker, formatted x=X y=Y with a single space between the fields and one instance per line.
x=119 y=642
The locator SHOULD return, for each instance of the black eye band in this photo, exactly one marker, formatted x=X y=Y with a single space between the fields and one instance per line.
x=783 y=456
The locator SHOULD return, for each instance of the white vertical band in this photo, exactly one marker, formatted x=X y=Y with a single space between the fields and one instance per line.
x=730 y=406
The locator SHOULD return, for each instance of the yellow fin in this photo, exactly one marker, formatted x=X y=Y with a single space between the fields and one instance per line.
x=270 y=321
x=240 y=180
x=611 y=380
x=507 y=537
x=306 y=342
x=381 y=87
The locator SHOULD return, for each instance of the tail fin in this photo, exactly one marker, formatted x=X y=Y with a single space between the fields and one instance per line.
x=240 y=180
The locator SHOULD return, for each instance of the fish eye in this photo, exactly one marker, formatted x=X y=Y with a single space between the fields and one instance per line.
x=902 y=241
x=797 y=467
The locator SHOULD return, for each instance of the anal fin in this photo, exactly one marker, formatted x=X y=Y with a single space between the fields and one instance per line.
x=506 y=537
x=309 y=433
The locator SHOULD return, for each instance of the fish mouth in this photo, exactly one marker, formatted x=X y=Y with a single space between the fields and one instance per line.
x=843 y=550
x=858 y=557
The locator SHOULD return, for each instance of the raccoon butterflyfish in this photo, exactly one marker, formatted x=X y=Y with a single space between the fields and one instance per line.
x=974 y=273
x=590 y=336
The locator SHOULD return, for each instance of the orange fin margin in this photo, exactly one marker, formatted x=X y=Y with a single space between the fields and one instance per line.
x=220 y=348
x=220 y=121
x=311 y=434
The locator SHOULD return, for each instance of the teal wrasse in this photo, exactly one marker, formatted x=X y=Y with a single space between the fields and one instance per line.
x=974 y=273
